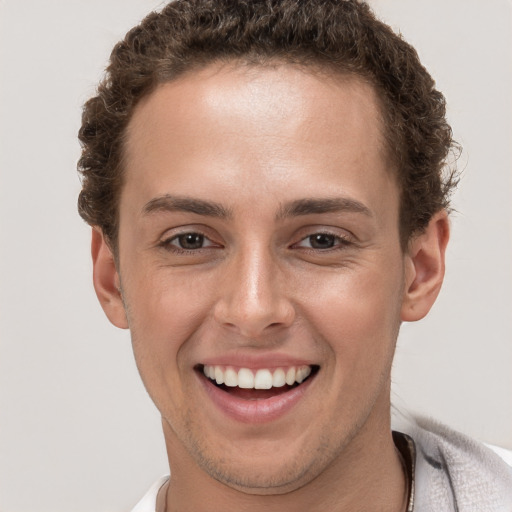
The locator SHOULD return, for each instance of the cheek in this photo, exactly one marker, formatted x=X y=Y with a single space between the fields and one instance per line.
x=163 y=315
x=358 y=315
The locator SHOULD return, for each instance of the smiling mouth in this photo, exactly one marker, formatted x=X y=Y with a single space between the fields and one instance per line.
x=260 y=384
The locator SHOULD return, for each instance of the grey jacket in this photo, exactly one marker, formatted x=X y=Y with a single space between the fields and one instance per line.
x=454 y=473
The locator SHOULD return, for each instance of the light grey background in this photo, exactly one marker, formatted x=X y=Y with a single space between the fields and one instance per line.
x=77 y=431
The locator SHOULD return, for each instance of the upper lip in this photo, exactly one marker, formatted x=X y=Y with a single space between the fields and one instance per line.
x=256 y=361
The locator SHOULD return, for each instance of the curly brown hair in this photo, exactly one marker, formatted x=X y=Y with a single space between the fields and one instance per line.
x=341 y=36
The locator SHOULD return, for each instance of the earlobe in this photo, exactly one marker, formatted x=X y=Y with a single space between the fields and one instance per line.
x=106 y=280
x=424 y=268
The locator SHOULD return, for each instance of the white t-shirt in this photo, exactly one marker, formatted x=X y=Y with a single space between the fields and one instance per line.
x=148 y=502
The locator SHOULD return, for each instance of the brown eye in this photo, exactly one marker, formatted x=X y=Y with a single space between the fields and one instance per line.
x=322 y=241
x=189 y=241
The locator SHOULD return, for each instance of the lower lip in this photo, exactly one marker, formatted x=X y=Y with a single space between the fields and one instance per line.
x=255 y=411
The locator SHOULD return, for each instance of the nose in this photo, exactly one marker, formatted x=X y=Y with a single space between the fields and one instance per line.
x=252 y=298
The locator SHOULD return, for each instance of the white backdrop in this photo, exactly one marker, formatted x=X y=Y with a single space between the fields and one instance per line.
x=77 y=431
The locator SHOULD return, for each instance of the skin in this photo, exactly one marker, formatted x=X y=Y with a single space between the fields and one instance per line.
x=255 y=141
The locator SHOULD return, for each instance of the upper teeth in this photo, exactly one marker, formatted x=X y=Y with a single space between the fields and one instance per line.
x=256 y=379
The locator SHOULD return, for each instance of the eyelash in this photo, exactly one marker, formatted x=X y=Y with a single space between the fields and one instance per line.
x=168 y=244
x=339 y=242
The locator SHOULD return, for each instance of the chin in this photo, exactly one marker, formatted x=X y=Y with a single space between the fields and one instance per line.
x=262 y=478
x=259 y=468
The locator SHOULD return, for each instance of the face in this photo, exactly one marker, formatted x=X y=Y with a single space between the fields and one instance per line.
x=259 y=245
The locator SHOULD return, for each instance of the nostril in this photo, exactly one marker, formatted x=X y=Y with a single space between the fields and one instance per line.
x=253 y=304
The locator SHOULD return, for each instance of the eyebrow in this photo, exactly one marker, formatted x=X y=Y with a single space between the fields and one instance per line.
x=322 y=205
x=168 y=203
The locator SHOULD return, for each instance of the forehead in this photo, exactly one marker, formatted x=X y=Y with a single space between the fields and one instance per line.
x=261 y=96
x=236 y=127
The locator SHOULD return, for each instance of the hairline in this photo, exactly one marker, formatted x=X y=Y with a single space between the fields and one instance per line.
x=337 y=73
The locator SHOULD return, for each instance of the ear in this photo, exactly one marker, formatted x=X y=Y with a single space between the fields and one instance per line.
x=106 y=280
x=424 y=268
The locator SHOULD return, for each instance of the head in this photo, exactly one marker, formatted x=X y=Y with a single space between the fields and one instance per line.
x=265 y=182
x=343 y=38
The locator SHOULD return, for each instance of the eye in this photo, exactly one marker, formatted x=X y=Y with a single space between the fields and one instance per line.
x=189 y=241
x=321 y=241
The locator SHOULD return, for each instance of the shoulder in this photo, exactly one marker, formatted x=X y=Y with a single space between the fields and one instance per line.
x=455 y=472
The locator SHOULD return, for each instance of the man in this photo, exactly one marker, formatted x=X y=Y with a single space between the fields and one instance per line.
x=267 y=187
